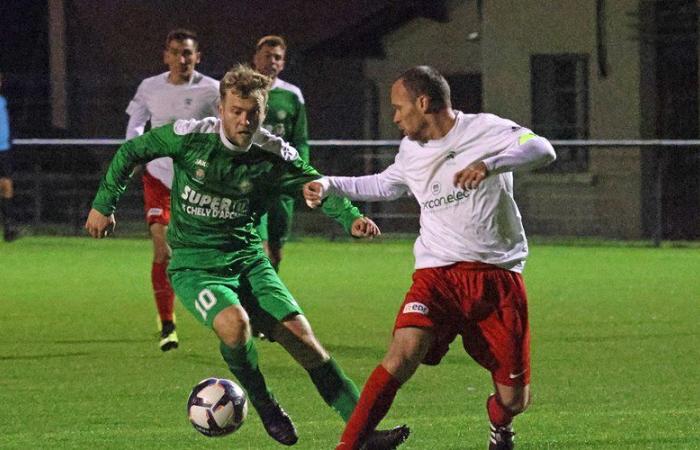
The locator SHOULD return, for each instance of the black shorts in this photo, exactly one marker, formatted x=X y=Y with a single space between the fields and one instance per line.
x=6 y=163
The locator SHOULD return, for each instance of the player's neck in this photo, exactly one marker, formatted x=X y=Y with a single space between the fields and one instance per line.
x=441 y=124
x=178 y=80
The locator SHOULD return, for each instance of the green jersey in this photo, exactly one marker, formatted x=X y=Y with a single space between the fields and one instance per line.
x=219 y=190
x=286 y=116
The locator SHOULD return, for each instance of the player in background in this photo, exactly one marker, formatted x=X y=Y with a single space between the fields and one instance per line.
x=286 y=118
x=468 y=256
x=179 y=93
x=7 y=192
x=227 y=172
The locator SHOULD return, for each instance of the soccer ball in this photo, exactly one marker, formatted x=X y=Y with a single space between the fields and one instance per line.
x=217 y=407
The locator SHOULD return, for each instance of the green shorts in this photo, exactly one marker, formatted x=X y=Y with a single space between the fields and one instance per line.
x=276 y=226
x=257 y=288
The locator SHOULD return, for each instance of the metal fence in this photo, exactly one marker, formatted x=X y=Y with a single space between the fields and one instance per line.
x=56 y=180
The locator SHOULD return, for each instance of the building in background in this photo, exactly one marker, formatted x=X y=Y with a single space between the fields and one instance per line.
x=603 y=69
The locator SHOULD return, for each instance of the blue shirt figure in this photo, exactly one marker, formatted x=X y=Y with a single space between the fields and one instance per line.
x=4 y=126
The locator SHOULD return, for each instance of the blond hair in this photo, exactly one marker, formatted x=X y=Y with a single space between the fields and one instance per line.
x=244 y=81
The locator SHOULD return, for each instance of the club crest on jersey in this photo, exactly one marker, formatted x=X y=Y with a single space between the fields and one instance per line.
x=281 y=114
x=415 y=307
x=199 y=174
x=245 y=186
x=435 y=188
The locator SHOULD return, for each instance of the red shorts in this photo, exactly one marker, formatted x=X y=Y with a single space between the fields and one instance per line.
x=485 y=304
x=156 y=200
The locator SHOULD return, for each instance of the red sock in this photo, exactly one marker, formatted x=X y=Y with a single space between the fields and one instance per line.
x=498 y=414
x=162 y=290
x=375 y=401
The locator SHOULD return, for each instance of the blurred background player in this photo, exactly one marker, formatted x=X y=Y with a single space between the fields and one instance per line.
x=468 y=256
x=286 y=118
x=7 y=193
x=179 y=93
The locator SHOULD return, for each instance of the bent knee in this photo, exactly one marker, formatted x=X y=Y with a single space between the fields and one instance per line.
x=232 y=326
x=516 y=404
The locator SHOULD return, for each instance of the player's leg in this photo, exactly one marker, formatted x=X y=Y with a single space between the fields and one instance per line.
x=334 y=386
x=499 y=339
x=7 y=194
x=502 y=406
x=157 y=205
x=212 y=300
x=278 y=316
x=279 y=226
x=408 y=348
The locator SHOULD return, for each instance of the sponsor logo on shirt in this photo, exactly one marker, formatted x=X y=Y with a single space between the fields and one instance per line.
x=435 y=188
x=446 y=200
x=204 y=205
x=415 y=307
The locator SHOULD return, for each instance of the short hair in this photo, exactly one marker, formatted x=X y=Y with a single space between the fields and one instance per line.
x=245 y=82
x=425 y=80
x=180 y=34
x=272 y=40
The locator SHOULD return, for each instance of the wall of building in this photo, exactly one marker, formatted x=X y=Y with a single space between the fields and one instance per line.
x=606 y=200
x=444 y=46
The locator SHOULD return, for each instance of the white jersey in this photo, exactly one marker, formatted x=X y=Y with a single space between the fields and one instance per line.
x=481 y=224
x=162 y=103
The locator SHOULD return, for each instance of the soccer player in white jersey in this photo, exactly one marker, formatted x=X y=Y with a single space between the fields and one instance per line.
x=286 y=118
x=469 y=254
x=179 y=93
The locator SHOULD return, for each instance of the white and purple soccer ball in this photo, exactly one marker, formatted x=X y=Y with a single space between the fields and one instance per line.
x=217 y=407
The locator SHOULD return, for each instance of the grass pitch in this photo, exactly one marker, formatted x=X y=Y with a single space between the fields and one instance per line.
x=615 y=350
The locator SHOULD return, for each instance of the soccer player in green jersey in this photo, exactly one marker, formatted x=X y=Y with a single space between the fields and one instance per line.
x=226 y=173
x=286 y=118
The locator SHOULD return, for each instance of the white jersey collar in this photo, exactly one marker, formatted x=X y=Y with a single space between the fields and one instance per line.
x=230 y=145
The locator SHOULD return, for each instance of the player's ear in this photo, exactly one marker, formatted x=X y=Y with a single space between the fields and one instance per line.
x=197 y=57
x=423 y=103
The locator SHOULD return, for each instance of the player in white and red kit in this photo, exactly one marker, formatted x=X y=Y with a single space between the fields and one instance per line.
x=179 y=93
x=469 y=254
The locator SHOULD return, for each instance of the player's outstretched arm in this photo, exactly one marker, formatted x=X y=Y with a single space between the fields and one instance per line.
x=532 y=152
x=98 y=225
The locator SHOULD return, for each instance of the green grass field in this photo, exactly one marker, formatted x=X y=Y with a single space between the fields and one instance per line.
x=615 y=349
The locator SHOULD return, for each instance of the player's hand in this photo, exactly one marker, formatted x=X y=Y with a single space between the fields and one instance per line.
x=364 y=227
x=98 y=225
x=471 y=176
x=313 y=194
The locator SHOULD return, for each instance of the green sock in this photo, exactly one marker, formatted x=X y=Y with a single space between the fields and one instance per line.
x=243 y=362
x=337 y=390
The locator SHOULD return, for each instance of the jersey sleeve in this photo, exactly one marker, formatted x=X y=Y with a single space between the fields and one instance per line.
x=386 y=185
x=300 y=134
x=509 y=146
x=138 y=113
x=337 y=208
x=156 y=143
x=531 y=152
